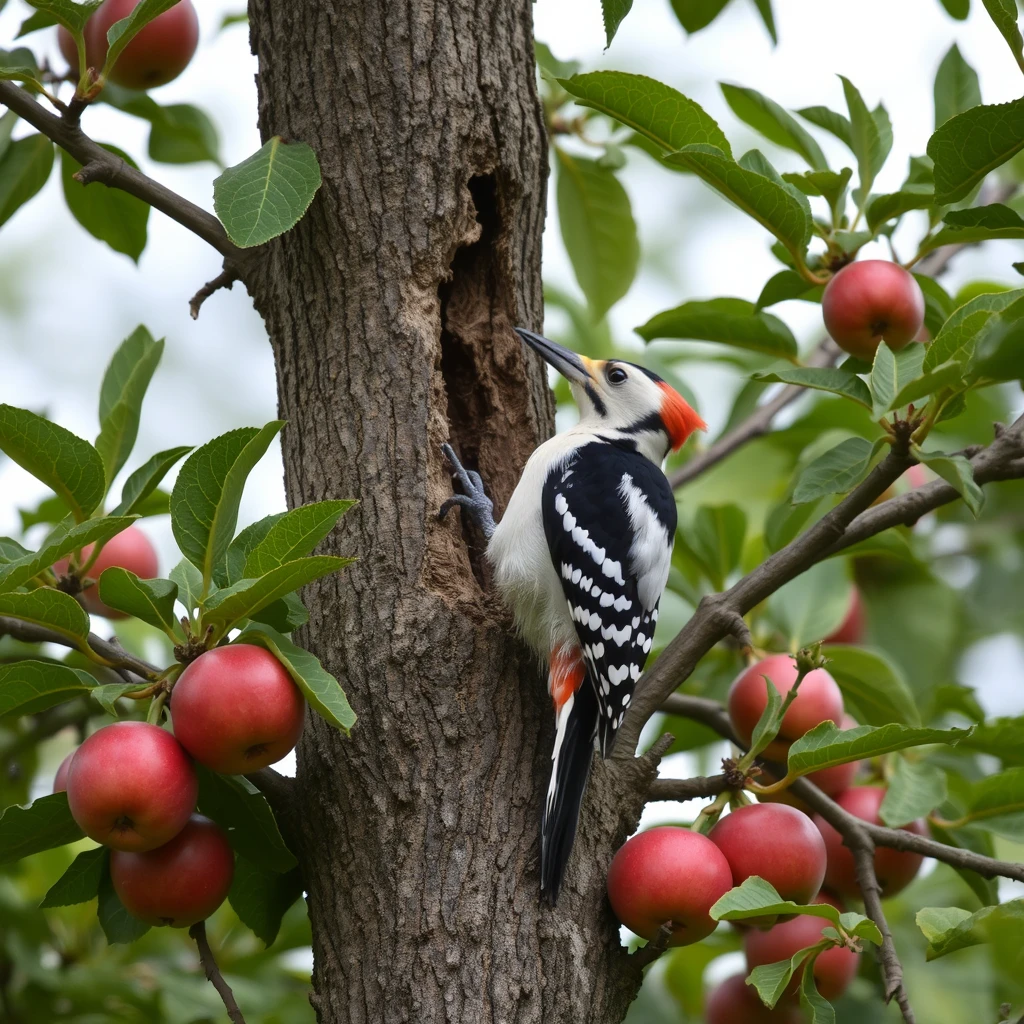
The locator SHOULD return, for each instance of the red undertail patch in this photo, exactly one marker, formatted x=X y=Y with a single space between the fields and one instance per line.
x=565 y=674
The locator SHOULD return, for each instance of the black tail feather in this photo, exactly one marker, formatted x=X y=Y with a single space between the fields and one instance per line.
x=569 y=775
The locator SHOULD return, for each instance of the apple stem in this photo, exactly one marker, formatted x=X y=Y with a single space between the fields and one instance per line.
x=213 y=975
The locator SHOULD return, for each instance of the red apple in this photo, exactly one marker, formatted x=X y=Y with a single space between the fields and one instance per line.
x=917 y=476
x=668 y=874
x=179 y=883
x=833 y=970
x=235 y=709
x=130 y=549
x=131 y=786
x=776 y=842
x=869 y=301
x=851 y=629
x=818 y=700
x=60 y=780
x=157 y=55
x=736 y=1002
x=895 y=869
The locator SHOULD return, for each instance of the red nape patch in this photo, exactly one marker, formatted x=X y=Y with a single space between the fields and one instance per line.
x=565 y=673
x=679 y=417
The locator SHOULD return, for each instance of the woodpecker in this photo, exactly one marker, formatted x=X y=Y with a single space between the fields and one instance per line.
x=581 y=556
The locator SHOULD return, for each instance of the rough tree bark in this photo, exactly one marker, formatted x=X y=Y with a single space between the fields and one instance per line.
x=390 y=309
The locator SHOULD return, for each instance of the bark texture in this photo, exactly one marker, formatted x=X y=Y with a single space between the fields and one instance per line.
x=390 y=309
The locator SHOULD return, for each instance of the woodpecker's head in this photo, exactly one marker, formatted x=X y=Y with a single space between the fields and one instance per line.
x=615 y=395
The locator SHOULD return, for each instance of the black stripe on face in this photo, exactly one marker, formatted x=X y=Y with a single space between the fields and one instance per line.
x=651 y=422
x=595 y=399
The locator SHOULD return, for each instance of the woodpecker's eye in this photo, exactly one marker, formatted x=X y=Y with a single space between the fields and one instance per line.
x=616 y=375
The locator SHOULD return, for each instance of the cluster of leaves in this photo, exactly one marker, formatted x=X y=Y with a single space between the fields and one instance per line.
x=226 y=588
x=256 y=200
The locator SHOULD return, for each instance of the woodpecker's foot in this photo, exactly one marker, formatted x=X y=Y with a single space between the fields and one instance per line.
x=473 y=499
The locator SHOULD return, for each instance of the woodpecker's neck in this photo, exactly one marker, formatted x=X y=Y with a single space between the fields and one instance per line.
x=645 y=437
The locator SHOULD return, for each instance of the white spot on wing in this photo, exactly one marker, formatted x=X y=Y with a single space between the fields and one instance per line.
x=650 y=554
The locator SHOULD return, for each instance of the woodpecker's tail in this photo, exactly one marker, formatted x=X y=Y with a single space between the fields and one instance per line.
x=575 y=731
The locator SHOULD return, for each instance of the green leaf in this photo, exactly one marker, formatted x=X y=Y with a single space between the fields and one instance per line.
x=866 y=139
x=60 y=459
x=1004 y=14
x=61 y=542
x=826 y=746
x=260 y=898
x=72 y=14
x=145 y=480
x=20 y=66
x=121 y=394
x=957 y=472
x=764 y=8
x=233 y=568
x=891 y=205
x=81 y=882
x=11 y=550
x=999 y=346
x=121 y=33
x=971 y=930
x=205 y=498
x=837 y=471
x=728 y=321
x=267 y=193
x=873 y=687
x=958 y=9
x=320 y=688
x=34 y=22
x=694 y=15
x=813 y=605
x=284 y=615
x=935 y=922
x=768 y=200
x=613 y=11
x=190 y=584
x=716 y=538
x=109 y=214
x=49 y=511
x=771 y=980
x=835 y=380
x=816 y=1008
x=937 y=304
x=42 y=825
x=243 y=812
x=109 y=694
x=948 y=375
x=956 y=87
x=183 y=134
x=955 y=342
x=149 y=600
x=787 y=284
x=598 y=230
x=915 y=790
x=829 y=184
x=757 y=898
x=52 y=610
x=28 y=687
x=550 y=66
x=773 y=122
x=973 y=143
x=768 y=724
x=891 y=372
x=248 y=596
x=995 y=797
x=835 y=124
x=978 y=224
x=1002 y=738
x=117 y=924
x=656 y=111
x=292 y=535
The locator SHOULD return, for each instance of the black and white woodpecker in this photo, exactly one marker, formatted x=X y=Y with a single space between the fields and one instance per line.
x=582 y=556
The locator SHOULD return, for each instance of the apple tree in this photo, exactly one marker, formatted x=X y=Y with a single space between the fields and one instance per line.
x=388 y=232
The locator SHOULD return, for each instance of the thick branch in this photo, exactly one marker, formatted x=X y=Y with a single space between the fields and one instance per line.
x=687 y=789
x=99 y=164
x=206 y=958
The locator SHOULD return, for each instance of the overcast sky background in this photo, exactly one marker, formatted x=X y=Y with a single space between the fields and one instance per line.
x=66 y=300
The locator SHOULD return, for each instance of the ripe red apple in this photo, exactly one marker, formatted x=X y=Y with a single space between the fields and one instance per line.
x=818 y=700
x=869 y=301
x=60 y=780
x=736 y=1002
x=668 y=874
x=776 y=842
x=833 y=970
x=156 y=56
x=851 y=630
x=235 y=709
x=131 y=786
x=179 y=883
x=895 y=869
x=130 y=549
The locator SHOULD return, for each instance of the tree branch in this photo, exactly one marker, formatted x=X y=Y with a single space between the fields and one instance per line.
x=206 y=958
x=687 y=789
x=225 y=279
x=99 y=164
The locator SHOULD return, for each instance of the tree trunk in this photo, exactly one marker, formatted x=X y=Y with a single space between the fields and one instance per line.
x=390 y=310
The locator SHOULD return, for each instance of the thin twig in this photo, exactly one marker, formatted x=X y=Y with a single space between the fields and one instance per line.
x=206 y=958
x=649 y=953
x=699 y=709
x=225 y=279
x=687 y=789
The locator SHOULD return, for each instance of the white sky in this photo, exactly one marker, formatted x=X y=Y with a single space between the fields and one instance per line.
x=66 y=300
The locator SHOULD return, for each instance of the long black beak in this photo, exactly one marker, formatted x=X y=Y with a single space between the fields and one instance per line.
x=571 y=366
